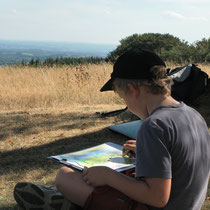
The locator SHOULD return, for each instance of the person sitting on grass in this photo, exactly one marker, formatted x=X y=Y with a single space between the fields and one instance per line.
x=172 y=148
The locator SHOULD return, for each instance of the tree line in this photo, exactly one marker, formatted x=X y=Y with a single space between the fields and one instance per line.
x=60 y=61
x=168 y=47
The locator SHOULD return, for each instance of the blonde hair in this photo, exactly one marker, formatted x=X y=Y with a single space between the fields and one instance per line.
x=160 y=84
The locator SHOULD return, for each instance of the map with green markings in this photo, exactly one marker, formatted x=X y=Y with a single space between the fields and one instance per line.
x=107 y=154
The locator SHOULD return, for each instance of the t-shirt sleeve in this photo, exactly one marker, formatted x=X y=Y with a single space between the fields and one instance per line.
x=152 y=156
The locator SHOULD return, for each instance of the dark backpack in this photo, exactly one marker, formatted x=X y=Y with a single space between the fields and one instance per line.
x=189 y=83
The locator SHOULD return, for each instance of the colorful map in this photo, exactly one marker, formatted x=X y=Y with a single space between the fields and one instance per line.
x=107 y=154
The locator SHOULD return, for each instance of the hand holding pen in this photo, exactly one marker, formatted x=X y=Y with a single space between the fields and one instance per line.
x=129 y=149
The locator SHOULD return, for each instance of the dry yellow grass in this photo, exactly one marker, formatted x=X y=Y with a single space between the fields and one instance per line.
x=48 y=111
x=27 y=87
x=51 y=87
x=205 y=68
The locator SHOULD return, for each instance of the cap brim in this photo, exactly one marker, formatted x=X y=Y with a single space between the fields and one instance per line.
x=108 y=85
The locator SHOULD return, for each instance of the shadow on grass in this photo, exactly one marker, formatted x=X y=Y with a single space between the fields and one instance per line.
x=25 y=123
x=14 y=207
x=36 y=157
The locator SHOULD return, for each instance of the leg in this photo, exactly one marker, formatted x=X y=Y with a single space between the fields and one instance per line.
x=72 y=186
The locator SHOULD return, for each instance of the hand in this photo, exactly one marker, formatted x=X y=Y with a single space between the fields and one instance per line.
x=131 y=146
x=96 y=176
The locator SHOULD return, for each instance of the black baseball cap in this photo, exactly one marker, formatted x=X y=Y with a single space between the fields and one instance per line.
x=134 y=64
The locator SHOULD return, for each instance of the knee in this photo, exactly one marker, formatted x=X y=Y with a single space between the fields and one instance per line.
x=61 y=177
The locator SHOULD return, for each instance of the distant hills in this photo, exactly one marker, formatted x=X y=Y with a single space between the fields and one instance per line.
x=13 y=52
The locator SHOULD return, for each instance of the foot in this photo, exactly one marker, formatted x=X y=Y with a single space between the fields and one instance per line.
x=34 y=196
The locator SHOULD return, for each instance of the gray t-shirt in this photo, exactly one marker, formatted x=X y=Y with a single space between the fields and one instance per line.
x=173 y=142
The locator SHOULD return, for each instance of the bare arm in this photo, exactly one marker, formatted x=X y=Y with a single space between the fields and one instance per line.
x=151 y=191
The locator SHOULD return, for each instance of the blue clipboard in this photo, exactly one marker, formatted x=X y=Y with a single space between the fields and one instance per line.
x=129 y=129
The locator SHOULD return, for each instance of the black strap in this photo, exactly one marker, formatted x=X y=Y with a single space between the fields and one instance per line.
x=113 y=113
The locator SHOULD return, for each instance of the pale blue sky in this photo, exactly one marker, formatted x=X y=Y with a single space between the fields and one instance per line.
x=102 y=21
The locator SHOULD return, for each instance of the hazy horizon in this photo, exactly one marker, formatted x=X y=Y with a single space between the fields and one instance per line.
x=14 y=51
